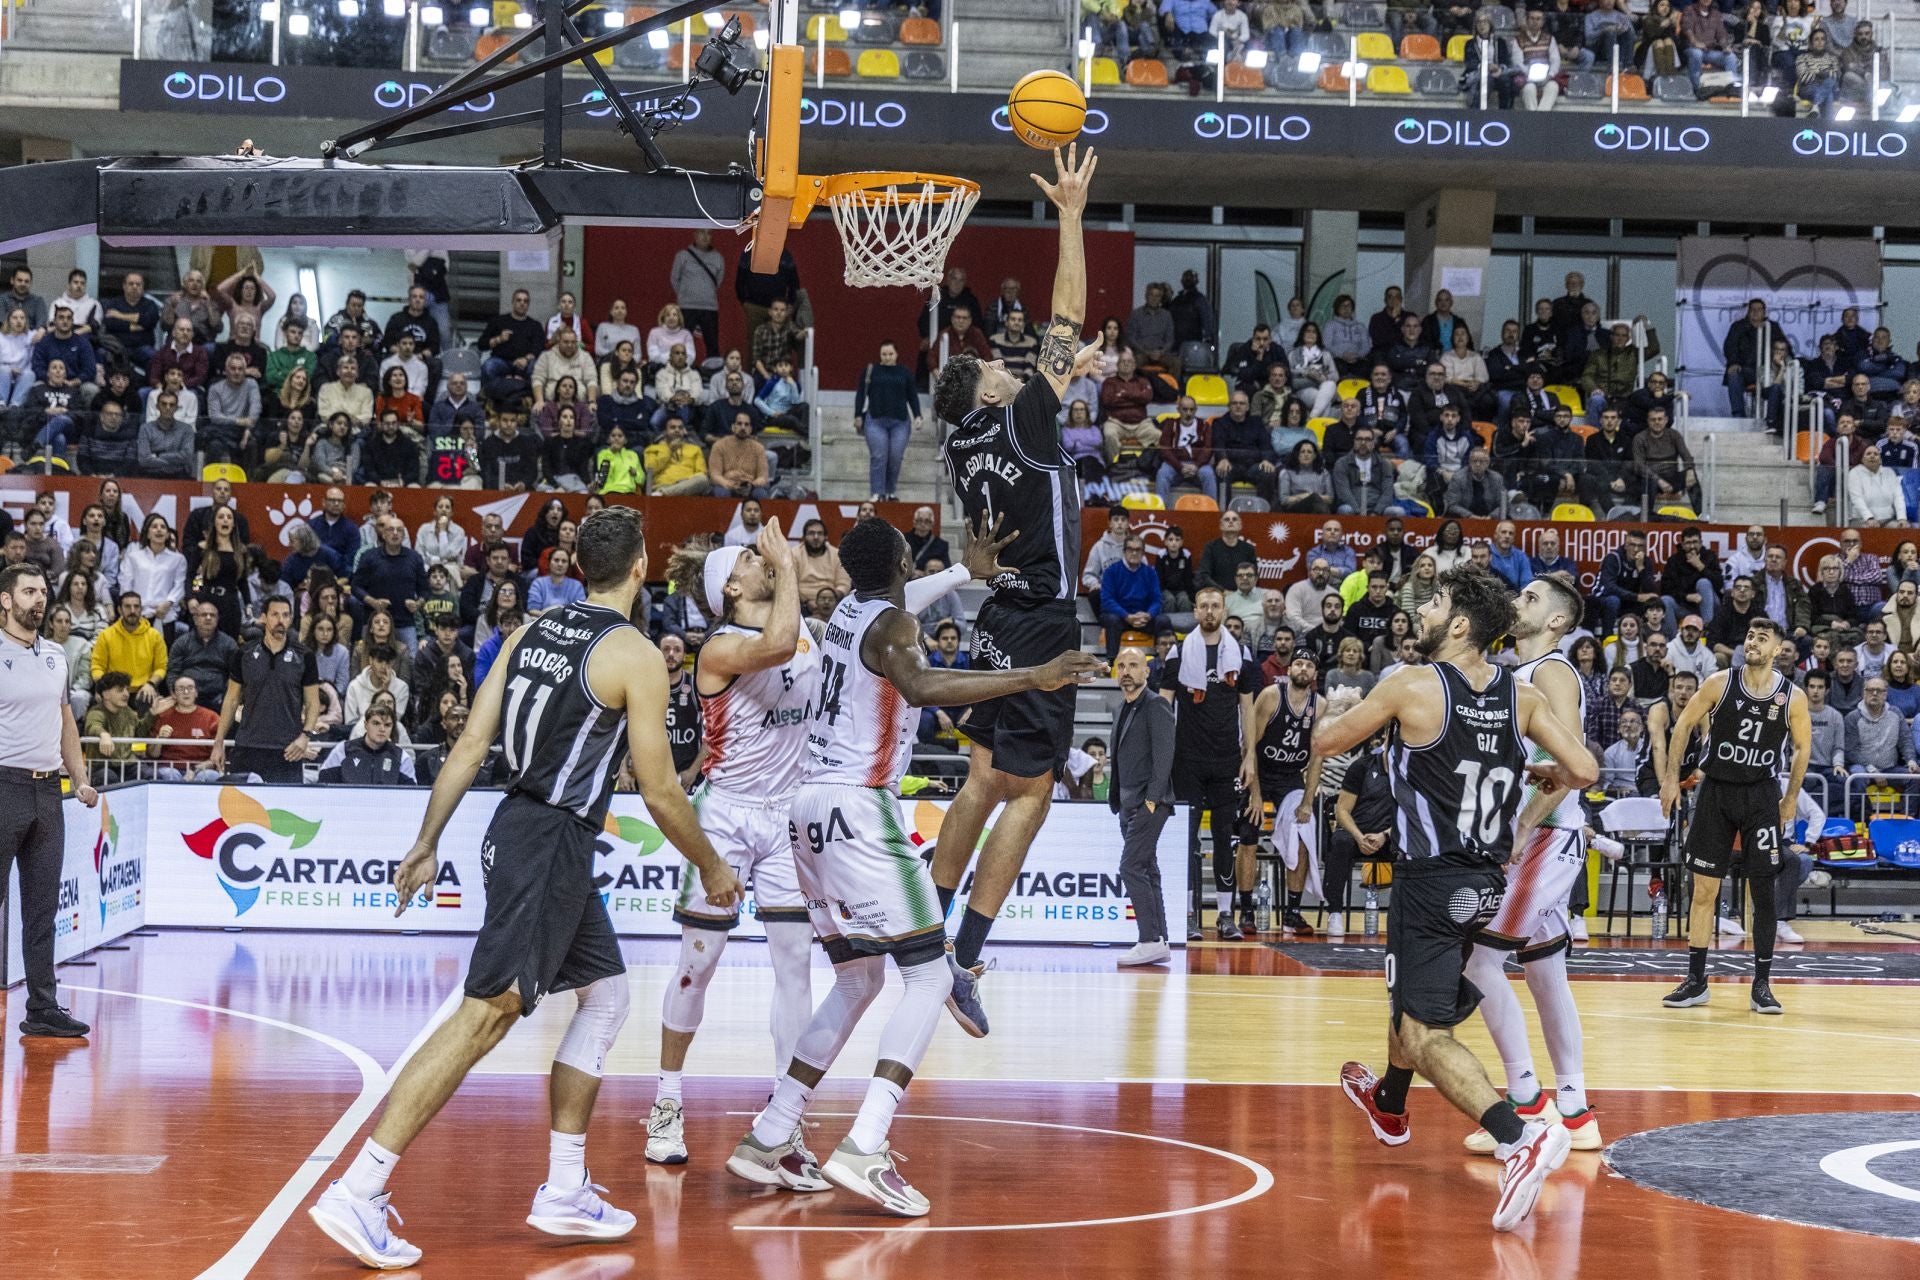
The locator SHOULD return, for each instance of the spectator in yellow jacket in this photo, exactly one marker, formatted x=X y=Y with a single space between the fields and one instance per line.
x=133 y=647
x=676 y=465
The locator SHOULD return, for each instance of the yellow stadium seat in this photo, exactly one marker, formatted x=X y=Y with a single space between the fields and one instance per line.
x=878 y=64
x=503 y=12
x=830 y=22
x=1143 y=502
x=1319 y=428
x=1568 y=396
x=1374 y=46
x=1351 y=387
x=1208 y=389
x=1457 y=48
x=1388 y=80
x=1106 y=71
x=223 y=471
x=1679 y=512
x=1419 y=48
x=1575 y=512
x=1195 y=502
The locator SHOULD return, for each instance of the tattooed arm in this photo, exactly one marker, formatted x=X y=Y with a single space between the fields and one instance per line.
x=1060 y=343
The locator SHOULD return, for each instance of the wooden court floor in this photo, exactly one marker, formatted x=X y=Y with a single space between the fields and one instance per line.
x=1115 y=1124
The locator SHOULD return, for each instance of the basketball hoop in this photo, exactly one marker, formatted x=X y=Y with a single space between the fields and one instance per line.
x=895 y=227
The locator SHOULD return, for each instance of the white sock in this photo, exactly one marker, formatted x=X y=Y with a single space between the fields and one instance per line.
x=790 y=945
x=1560 y=1026
x=367 y=1176
x=876 y=1115
x=783 y=1112
x=1486 y=969
x=668 y=1087
x=566 y=1160
x=1224 y=899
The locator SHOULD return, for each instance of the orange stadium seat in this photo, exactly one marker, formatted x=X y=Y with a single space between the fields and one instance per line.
x=1195 y=502
x=920 y=31
x=1419 y=48
x=1244 y=79
x=838 y=65
x=1632 y=88
x=1147 y=73
x=1331 y=80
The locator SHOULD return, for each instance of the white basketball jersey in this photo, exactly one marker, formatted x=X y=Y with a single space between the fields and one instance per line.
x=1567 y=815
x=863 y=729
x=756 y=728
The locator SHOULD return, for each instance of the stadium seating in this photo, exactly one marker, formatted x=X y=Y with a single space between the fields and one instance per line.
x=1420 y=48
x=878 y=64
x=1147 y=73
x=1388 y=80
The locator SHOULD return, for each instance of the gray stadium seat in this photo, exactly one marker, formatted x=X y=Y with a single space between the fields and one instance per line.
x=1436 y=82
x=1197 y=357
x=1585 y=85
x=1673 y=89
x=923 y=64
x=1362 y=17
x=452 y=44
x=1503 y=19
x=1289 y=78
x=1249 y=502
x=460 y=360
x=636 y=55
x=1328 y=44
x=874 y=28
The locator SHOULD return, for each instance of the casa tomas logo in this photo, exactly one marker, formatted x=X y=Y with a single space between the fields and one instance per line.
x=243 y=828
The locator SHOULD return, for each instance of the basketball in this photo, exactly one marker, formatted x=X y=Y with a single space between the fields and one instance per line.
x=1046 y=109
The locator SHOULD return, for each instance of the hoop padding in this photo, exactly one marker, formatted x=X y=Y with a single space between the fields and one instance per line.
x=899 y=234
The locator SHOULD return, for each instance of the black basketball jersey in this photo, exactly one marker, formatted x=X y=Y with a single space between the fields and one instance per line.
x=563 y=745
x=1456 y=795
x=1286 y=744
x=1745 y=734
x=1007 y=461
x=683 y=722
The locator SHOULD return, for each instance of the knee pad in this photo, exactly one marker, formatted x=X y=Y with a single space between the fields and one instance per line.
x=597 y=1020
x=686 y=998
x=790 y=947
x=1485 y=965
x=934 y=978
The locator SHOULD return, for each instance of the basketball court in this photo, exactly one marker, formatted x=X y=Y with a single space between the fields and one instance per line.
x=1178 y=1121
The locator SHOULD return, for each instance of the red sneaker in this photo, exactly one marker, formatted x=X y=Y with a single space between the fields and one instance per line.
x=1359 y=1084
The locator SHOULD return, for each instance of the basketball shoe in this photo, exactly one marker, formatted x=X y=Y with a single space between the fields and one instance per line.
x=1525 y=1166
x=1761 y=1000
x=1359 y=1084
x=781 y=1165
x=1540 y=1110
x=666 y=1133
x=964 y=1000
x=579 y=1212
x=874 y=1177
x=1584 y=1128
x=360 y=1227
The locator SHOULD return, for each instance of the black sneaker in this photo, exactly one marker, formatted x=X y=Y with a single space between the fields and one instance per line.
x=1193 y=928
x=1296 y=924
x=1688 y=994
x=1247 y=924
x=57 y=1022
x=1225 y=929
x=1761 y=1000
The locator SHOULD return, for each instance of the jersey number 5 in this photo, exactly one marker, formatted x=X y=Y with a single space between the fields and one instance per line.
x=1483 y=802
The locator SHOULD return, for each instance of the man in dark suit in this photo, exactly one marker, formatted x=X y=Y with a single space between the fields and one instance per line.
x=1140 y=790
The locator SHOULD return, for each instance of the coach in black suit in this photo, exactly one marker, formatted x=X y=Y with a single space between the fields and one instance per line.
x=1140 y=790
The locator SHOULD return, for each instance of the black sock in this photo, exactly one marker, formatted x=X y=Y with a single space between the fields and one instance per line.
x=972 y=936
x=1246 y=900
x=1697 y=964
x=1762 y=970
x=946 y=900
x=1391 y=1096
x=1504 y=1123
x=1293 y=898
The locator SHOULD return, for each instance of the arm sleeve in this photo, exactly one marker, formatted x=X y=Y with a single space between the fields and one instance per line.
x=922 y=592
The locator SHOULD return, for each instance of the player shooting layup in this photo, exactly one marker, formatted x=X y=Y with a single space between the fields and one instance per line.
x=1005 y=459
x=571 y=693
x=1457 y=759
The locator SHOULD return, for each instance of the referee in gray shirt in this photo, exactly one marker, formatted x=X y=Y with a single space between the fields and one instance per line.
x=37 y=735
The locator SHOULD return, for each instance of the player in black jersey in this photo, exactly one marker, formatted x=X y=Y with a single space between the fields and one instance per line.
x=1662 y=716
x=1755 y=711
x=1456 y=760
x=1004 y=456
x=570 y=694
x=1286 y=774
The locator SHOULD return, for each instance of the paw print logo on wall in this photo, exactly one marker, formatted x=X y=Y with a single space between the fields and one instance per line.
x=287 y=511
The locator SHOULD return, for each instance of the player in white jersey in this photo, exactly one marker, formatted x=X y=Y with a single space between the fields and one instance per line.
x=869 y=894
x=758 y=679
x=1550 y=850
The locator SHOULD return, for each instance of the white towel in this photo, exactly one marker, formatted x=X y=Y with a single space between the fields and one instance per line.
x=1290 y=837
x=1228 y=659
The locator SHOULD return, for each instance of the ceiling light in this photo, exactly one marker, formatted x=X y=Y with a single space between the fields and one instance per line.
x=1843 y=114
x=269 y=10
x=349 y=8
x=613 y=20
x=523 y=20
x=394 y=8
x=657 y=39
x=1910 y=113
x=298 y=24
x=433 y=15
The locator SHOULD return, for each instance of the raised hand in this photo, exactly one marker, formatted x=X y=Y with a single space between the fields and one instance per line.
x=982 y=556
x=1072 y=174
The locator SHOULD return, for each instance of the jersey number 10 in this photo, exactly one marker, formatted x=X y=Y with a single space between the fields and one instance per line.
x=1483 y=801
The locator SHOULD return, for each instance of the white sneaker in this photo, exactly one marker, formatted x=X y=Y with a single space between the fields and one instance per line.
x=1819 y=508
x=1729 y=928
x=360 y=1227
x=1524 y=1167
x=1578 y=931
x=1141 y=953
x=1785 y=932
x=874 y=1177
x=1819 y=879
x=666 y=1133
x=579 y=1212
x=1336 y=926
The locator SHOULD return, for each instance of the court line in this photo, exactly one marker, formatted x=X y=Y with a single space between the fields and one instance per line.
x=239 y=1260
x=1850 y=1167
x=1262 y=1179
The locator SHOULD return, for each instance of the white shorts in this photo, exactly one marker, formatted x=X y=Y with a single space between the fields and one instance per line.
x=752 y=836
x=1532 y=918
x=867 y=889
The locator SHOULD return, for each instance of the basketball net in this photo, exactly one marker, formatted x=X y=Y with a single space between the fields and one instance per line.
x=898 y=233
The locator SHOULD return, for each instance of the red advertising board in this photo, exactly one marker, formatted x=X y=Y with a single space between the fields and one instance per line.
x=268 y=508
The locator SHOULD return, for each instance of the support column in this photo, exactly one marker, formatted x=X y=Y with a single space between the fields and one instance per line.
x=50 y=262
x=1449 y=243
x=1332 y=265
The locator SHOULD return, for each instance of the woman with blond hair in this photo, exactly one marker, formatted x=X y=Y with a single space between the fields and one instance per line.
x=669 y=332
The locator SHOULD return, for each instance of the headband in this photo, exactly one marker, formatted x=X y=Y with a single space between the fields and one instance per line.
x=719 y=568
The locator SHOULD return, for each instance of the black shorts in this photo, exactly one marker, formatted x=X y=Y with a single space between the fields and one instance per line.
x=1437 y=910
x=1722 y=810
x=546 y=927
x=1029 y=733
x=1207 y=784
x=1273 y=790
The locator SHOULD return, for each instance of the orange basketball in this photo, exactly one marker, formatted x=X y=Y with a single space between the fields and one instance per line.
x=1046 y=109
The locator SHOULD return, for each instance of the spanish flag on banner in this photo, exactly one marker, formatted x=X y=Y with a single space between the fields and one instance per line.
x=446 y=899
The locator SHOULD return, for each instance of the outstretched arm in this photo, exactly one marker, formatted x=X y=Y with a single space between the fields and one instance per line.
x=1073 y=174
x=892 y=647
x=734 y=654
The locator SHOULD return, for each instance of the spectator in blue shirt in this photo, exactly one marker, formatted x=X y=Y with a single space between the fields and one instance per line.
x=557 y=587
x=392 y=576
x=1547 y=558
x=336 y=531
x=1130 y=596
x=1186 y=23
x=308 y=552
x=75 y=350
x=1513 y=565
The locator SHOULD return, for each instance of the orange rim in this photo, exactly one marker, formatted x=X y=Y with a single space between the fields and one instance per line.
x=818 y=189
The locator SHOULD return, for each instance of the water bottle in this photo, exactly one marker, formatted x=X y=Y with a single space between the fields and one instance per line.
x=1371 y=918
x=1657 y=904
x=1263 y=906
